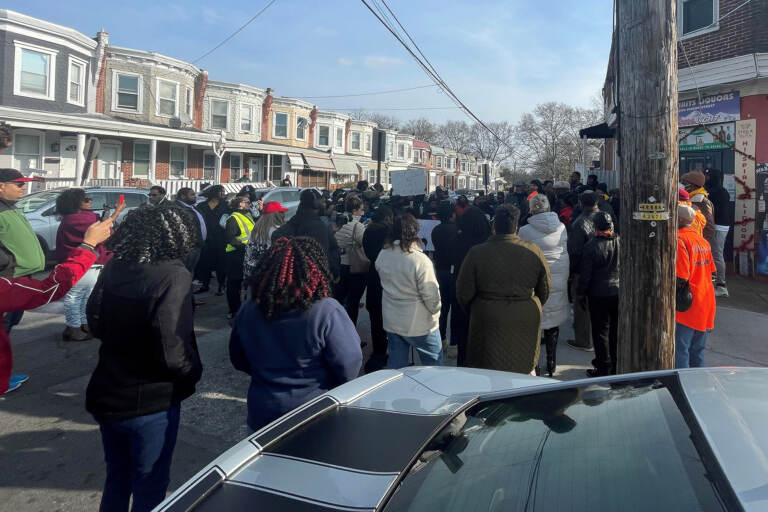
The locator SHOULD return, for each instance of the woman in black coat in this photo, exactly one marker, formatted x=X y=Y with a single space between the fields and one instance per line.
x=141 y=310
x=212 y=256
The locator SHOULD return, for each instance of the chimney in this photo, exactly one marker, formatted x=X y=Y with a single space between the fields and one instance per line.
x=99 y=71
x=201 y=85
x=266 y=110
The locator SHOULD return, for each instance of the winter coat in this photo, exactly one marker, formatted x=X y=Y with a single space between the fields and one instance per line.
x=599 y=267
x=443 y=238
x=502 y=284
x=293 y=358
x=308 y=223
x=71 y=232
x=20 y=251
x=580 y=232
x=22 y=293
x=720 y=198
x=148 y=359
x=373 y=241
x=349 y=236
x=411 y=298
x=546 y=231
x=700 y=201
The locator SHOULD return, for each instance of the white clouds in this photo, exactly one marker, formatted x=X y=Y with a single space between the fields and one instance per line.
x=380 y=61
x=212 y=17
x=347 y=63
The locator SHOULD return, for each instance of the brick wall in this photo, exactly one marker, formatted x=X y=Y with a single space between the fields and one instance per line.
x=101 y=85
x=195 y=164
x=741 y=33
x=127 y=164
x=756 y=107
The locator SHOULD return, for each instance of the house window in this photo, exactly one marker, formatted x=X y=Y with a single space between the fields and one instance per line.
x=246 y=118
x=127 y=92
x=167 y=98
x=178 y=161
x=410 y=151
x=416 y=156
x=34 y=71
x=463 y=167
x=391 y=149
x=189 y=100
x=367 y=142
x=219 y=114
x=354 y=141
x=339 y=137
x=422 y=156
x=281 y=125
x=141 y=159
x=301 y=128
x=276 y=168
x=323 y=135
x=209 y=166
x=401 y=151
x=76 y=82
x=235 y=166
x=696 y=15
x=27 y=151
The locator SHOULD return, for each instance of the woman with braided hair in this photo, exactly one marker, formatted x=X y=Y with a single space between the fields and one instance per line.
x=291 y=337
x=141 y=310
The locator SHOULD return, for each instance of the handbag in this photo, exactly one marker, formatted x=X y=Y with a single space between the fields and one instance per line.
x=683 y=296
x=358 y=261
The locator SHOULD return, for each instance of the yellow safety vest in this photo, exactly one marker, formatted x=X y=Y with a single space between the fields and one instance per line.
x=246 y=226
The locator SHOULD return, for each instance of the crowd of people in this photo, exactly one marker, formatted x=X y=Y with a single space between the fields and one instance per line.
x=497 y=286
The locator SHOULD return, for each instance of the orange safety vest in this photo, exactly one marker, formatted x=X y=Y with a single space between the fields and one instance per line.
x=696 y=265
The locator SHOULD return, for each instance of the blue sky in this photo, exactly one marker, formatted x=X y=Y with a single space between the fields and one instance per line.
x=500 y=57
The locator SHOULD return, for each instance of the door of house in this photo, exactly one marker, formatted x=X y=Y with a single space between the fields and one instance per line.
x=109 y=162
x=68 y=157
x=256 y=169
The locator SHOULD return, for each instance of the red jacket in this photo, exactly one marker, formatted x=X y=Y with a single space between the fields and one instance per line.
x=22 y=293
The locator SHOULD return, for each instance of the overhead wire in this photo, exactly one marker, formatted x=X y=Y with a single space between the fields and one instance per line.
x=364 y=93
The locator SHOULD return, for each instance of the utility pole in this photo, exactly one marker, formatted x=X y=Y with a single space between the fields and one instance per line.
x=646 y=68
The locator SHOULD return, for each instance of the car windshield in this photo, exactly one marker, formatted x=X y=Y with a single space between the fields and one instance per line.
x=618 y=446
x=463 y=192
x=261 y=193
x=35 y=201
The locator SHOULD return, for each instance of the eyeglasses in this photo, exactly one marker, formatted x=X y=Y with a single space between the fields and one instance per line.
x=88 y=200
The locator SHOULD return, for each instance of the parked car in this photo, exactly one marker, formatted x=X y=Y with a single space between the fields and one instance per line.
x=40 y=209
x=287 y=196
x=455 y=439
x=466 y=192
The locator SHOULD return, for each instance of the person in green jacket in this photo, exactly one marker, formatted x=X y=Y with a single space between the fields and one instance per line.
x=20 y=251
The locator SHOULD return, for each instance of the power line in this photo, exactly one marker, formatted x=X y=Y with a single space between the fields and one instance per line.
x=396 y=108
x=234 y=33
x=364 y=93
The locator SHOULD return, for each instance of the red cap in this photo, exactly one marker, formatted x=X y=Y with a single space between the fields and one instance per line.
x=12 y=175
x=273 y=207
x=683 y=195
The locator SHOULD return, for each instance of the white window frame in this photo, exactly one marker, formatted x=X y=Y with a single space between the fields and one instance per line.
x=359 y=140
x=189 y=101
x=367 y=142
x=287 y=125
x=170 y=161
x=149 y=158
x=306 y=128
x=239 y=155
x=391 y=149
x=252 y=120
x=74 y=61
x=210 y=120
x=319 y=135
x=410 y=153
x=158 y=98
x=139 y=92
x=339 y=137
x=700 y=31
x=41 y=145
x=422 y=156
x=211 y=153
x=401 y=151
x=51 y=78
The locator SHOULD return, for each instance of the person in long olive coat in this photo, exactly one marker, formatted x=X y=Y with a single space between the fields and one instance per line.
x=503 y=284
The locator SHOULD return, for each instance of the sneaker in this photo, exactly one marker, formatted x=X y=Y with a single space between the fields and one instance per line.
x=452 y=352
x=572 y=344
x=16 y=381
x=721 y=291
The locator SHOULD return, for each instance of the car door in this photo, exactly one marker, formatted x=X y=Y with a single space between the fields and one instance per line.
x=133 y=199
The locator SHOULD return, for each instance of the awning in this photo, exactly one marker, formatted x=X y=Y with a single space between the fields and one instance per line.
x=599 y=131
x=319 y=163
x=345 y=166
x=297 y=163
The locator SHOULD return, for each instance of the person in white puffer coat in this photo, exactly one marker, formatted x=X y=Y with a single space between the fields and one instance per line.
x=545 y=230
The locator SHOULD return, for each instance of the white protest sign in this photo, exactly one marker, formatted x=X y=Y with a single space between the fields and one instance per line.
x=425 y=232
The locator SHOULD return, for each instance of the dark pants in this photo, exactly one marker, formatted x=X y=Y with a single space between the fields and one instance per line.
x=350 y=290
x=378 y=359
x=235 y=260
x=11 y=319
x=604 y=316
x=138 y=452
x=459 y=331
x=447 y=283
x=211 y=260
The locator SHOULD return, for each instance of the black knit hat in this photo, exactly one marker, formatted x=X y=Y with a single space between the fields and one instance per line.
x=603 y=221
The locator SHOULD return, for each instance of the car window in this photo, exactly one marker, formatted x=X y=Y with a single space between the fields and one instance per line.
x=132 y=199
x=618 y=446
x=290 y=196
x=100 y=199
x=35 y=201
x=276 y=195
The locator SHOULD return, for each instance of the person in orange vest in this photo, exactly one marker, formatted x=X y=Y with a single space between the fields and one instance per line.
x=694 y=269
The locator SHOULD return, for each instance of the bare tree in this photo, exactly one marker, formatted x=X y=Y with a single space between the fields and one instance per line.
x=495 y=144
x=422 y=129
x=455 y=135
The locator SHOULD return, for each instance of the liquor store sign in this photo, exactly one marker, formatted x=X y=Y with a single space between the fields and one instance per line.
x=717 y=108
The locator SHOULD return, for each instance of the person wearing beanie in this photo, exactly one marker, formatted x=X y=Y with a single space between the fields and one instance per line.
x=699 y=221
x=694 y=269
x=545 y=230
x=599 y=284
x=694 y=184
x=307 y=222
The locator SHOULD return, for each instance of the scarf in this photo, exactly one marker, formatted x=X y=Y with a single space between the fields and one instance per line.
x=700 y=190
x=608 y=233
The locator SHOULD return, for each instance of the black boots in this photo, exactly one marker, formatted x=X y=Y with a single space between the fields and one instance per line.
x=75 y=334
x=549 y=340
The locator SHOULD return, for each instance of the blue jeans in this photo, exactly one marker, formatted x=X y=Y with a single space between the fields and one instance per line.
x=138 y=452
x=429 y=347
x=689 y=347
x=77 y=298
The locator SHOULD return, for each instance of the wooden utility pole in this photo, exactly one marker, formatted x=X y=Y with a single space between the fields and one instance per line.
x=646 y=67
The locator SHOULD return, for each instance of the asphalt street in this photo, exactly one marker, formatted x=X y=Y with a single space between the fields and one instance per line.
x=50 y=447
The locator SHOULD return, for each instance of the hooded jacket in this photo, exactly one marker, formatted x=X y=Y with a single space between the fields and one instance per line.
x=546 y=231
x=599 y=267
x=701 y=202
x=308 y=223
x=579 y=233
x=720 y=198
